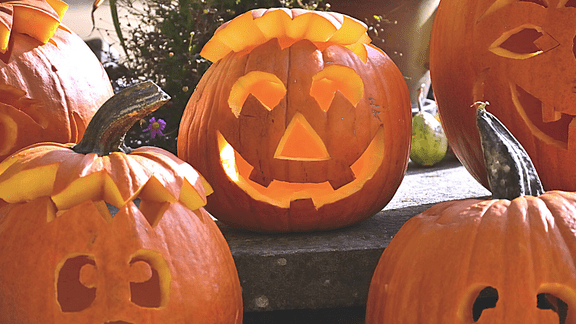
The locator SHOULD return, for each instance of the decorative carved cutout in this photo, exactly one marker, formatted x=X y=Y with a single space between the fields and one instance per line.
x=300 y=142
x=532 y=110
x=265 y=87
x=487 y=298
x=523 y=42
x=336 y=78
x=150 y=279
x=71 y=293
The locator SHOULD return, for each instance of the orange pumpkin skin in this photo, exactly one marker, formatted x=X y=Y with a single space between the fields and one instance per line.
x=204 y=284
x=436 y=265
x=48 y=92
x=519 y=56
x=268 y=189
x=67 y=260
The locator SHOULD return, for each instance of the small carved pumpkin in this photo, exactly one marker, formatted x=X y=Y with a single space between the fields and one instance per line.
x=92 y=234
x=504 y=260
x=300 y=124
x=519 y=55
x=51 y=83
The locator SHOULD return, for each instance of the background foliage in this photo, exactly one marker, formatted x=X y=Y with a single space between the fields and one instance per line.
x=160 y=40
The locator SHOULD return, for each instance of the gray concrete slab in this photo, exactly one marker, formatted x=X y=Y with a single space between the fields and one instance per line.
x=333 y=269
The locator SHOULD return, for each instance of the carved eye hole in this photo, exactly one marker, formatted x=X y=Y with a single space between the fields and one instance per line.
x=75 y=289
x=549 y=301
x=523 y=42
x=336 y=78
x=487 y=298
x=266 y=87
x=569 y=3
x=149 y=279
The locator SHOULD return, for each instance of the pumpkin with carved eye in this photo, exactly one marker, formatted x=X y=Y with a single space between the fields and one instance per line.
x=93 y=234
x=510 y=259
x=519 y=55
x=300 y=124
x=51 y=83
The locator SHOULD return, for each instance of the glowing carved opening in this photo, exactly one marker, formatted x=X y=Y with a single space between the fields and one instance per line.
x=281 y=193
x=266 y=87
x=300 y=142
x=336 y=78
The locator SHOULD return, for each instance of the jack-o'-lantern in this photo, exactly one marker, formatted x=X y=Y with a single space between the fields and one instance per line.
x=51 y=83
x=300 y=124
x=519 y=55
x=510 y=259
x=93 y=234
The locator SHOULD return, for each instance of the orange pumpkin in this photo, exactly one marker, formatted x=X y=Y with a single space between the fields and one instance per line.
x=300 y=124
x=51 y=83
x=111 y=237
x=504 y=260
x=521 y=57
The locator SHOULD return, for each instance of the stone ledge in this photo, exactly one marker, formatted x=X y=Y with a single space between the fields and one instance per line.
x=333 y=269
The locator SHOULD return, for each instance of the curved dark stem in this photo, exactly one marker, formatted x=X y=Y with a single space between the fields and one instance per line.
x=510 y=171
x=106 y=131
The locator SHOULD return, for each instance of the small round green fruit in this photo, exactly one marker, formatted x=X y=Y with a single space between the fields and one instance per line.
x=429 y=143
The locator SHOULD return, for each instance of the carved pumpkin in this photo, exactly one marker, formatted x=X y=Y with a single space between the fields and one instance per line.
x=519 y=55
x=502 y=260
x=111 y=237
x=300 y=124
x=51 y=83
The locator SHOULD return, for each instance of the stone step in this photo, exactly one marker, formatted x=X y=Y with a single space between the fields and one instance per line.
x=333 y=269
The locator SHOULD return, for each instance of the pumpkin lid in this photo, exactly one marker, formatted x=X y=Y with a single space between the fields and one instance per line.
x=258 y=26
x=71 y=174
x=38 y=19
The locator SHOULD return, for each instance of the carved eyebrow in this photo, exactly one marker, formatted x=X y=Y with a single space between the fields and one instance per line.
x=336 y=78
x=264 y=86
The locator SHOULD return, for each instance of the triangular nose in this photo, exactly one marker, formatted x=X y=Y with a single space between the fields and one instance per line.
x=300 y=142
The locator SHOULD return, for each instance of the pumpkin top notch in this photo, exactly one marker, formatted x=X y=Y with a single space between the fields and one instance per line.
x=288 y=26
x=510 y=171
x=38 y=19
x=106 y=131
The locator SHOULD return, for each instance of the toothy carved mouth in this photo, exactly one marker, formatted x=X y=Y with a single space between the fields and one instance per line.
x=560 y=131
x=282 y=193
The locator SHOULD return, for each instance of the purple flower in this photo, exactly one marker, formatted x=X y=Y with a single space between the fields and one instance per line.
x=155 y=127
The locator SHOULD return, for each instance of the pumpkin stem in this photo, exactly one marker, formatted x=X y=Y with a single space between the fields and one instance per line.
x=106 y=131
x=510 y=171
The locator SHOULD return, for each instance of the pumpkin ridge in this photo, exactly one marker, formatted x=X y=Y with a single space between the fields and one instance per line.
x=557 y=206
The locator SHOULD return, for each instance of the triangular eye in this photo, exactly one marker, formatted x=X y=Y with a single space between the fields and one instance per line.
x=266 y=87
x=568 y=3
x=523 y=42
x=336 y=78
